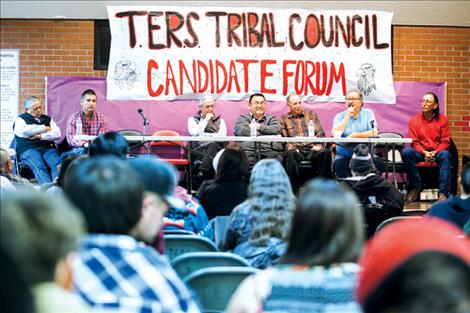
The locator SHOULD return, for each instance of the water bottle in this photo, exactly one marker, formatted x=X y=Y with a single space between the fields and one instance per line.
x=253 y=128
x=79 y=126
x=311 y=129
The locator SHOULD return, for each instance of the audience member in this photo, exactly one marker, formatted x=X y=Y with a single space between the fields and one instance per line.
x=318 y=273
x=257 y=229
x=114 y=270
x=354 y=122
x=416 y=266
x=184 y=212
x=56 y=188
x=9 y=181
x=229 y=187
x=41 y=233
x=456 y=209
x=111 y=143
x=205 y=123
x=380 y=198
x=34 y=135
x=264 y=124
x=296 y=123
x=86 y=121
x=430 y=134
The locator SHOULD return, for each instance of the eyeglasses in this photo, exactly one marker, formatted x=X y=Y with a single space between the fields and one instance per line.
x=352 y=99
x=427 y=101
x=259 y=102
x=208 y=106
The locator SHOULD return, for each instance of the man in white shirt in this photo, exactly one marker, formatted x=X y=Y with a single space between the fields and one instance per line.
x=205 y=123
x=34 y=135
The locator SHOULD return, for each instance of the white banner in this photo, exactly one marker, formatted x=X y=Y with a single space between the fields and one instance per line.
x=9 y=95
x=178 y=52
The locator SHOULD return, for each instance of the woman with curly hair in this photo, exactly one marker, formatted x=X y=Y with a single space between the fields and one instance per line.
x=258 y=228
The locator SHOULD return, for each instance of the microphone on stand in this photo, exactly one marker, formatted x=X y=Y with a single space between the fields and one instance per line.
x=141 y=112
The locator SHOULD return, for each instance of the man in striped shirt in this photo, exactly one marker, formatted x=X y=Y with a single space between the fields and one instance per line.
x=295 y=124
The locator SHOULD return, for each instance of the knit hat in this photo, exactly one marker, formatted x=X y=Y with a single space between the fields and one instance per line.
x=157 y=176
x=401 y=240
x=361 y=161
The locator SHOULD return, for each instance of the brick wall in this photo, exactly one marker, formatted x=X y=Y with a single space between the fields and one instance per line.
x=58 y=47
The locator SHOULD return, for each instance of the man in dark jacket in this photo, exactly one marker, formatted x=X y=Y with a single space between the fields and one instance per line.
x=456 y=209
x=380 y=198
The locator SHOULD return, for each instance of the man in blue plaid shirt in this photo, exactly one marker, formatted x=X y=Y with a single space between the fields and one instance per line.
x=114 y=270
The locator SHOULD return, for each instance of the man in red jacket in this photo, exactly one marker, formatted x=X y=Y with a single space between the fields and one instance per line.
x=430 y=134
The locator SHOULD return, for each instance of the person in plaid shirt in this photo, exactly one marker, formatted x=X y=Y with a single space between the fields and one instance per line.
x=93 y=123
x=115 y=270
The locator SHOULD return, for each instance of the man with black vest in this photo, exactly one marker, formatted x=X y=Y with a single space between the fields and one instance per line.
x=206 y=123
x=35 y=134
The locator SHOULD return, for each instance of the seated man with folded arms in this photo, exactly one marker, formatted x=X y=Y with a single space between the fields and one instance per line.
x=86 y=121
x=114 y=269
x=41 y=234
x=35 y=134
x=354 y=122
x=205 y=123
x=296 y=124
x=430 y=134
x=266 y=124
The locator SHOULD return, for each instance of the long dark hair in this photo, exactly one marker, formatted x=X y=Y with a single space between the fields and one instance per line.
x=233 y=164
x=327 y=227
x=435 y=112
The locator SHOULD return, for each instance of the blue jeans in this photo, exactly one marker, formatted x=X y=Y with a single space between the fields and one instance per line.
x=40 y=160
x=411 y=157
x=73 y=152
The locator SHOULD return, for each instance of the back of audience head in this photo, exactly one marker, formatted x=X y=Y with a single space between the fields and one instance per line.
x=327 y=226
x=6 y=166
x=111 y=143
x=108 y=192
x=40 y=232
x=233 y=164
x=270 y=195
x=362 y=162
x=465 y=179
x=416 y=266
x=15 y=294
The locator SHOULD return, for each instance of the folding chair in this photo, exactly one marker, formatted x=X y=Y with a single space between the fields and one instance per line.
x=395 y=219
x=179 y=244
x=216 y=285
x=219 y=224
x=173 y=152
x=187 y=263
x=391 y=155
x=136 y=147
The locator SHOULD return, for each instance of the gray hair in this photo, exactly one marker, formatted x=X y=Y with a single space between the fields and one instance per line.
x=290 y=95
x=204 y=99
x=29 y=102
x=355 y=90
x=272 y=200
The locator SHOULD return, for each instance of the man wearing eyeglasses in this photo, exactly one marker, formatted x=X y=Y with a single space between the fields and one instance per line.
x=34 y=135
x=206 y=123
x=265 y=124
x=354 y=122
x=430 y=134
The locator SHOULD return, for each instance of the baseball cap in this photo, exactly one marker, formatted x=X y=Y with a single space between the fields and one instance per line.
x=157 y=176
x=400 y=241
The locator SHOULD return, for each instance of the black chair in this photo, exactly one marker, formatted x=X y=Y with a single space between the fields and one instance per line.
x=391 y=155
x=216 y=285
x=179 y=244
x=20 y=168
x=136 y=147
x=187 y=263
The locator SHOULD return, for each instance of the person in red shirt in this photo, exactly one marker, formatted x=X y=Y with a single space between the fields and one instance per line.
x=430 y=134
